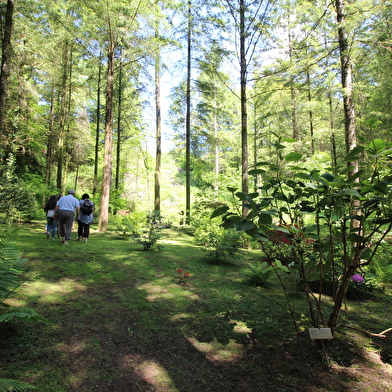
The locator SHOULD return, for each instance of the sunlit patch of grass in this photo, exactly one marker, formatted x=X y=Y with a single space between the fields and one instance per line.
x=75 y=347
x=156 y=375
x=170 y=292
x=219 y=352
x=53 y=292
x=149 y=371
x=180 y=317
x=240 y=327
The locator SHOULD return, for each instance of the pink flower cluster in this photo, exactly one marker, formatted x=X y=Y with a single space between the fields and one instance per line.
x=358 y=278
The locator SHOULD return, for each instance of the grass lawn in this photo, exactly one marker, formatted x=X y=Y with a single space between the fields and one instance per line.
x=121 y=320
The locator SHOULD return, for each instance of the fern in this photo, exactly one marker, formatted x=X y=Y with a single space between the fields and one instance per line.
x=11 y=274
x=257 y=275
x=22 y=315
x=7 y=385
x=11 y=266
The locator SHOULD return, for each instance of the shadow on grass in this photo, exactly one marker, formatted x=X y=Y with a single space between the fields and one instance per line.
x=121 y=323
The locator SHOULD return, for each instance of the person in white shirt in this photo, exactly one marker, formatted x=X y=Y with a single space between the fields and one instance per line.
x=65 y=210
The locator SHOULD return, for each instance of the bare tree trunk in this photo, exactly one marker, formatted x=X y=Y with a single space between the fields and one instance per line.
x=188 y=123
x=108 y=154
x=293 y=95
x=312 y=148
x=67 y=117
x=352 y=260
x=119 y=109
x=98 y=123
x=334 y=156
x=5 y=57
x=50 y=141
x=255 y=140
x=347 y=84
x=244 y=113
x=63 y=109
x=158 y=155
x=216 y=140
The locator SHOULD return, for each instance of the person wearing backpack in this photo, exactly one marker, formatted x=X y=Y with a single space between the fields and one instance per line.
x=85 y=217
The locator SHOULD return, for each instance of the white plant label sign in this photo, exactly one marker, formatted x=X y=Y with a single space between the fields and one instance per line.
x=320 y=333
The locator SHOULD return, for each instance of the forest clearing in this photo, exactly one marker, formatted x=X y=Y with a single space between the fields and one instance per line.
x=122 y=320
x=233 y=159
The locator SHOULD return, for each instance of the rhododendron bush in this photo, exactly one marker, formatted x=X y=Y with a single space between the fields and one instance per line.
x=322 y=225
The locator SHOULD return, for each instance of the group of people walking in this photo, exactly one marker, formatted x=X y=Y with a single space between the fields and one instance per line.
x=60 y=214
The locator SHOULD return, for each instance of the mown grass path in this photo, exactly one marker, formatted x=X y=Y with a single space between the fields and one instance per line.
x=122 y=321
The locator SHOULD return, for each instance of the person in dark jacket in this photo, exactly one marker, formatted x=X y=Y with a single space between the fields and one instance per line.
x=85 y=218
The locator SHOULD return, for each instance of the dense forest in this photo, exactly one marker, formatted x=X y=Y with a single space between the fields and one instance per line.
x=254 y=126
x=153 y=105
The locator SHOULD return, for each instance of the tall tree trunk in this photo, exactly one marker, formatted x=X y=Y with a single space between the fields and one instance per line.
x=347 y=84
x=244 y=114
x=216 y=140
x=334 y=156
x=158 y=137
x=108 y=154
x=62 y=119
x=188 y=123
x=352 y=260
x=255 y=142
x=311 y=129
x=68 y=155
x=293 y=94
x=50 y=141
x=5 y=57
x=118 y=145
x=97 y=127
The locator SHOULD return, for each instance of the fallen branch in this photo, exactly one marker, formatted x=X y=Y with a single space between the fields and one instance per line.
x=374 y=335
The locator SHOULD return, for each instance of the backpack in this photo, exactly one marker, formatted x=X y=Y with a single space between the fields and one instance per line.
x=87 y=207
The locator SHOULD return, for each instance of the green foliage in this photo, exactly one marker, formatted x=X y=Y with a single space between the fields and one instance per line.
x=11 y=266
x=11 y=277
x=11 y=274
x=7 y=385
x=22 y=315
x=381 y=268
x=149 y=235
x=16 y=201
x=127 y=225
x=258 y=275
x=324 y=226
x=148 y=238
x=217 y=242
x=221 y=244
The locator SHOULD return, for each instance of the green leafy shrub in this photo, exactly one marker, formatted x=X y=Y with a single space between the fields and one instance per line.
x=216 y=241
x=258 y=275
x=148 y=238
x=330 y=225
x=381 y=268
x=220 y=244
x=127 y=225
x=16 y=202
x=149 y=235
